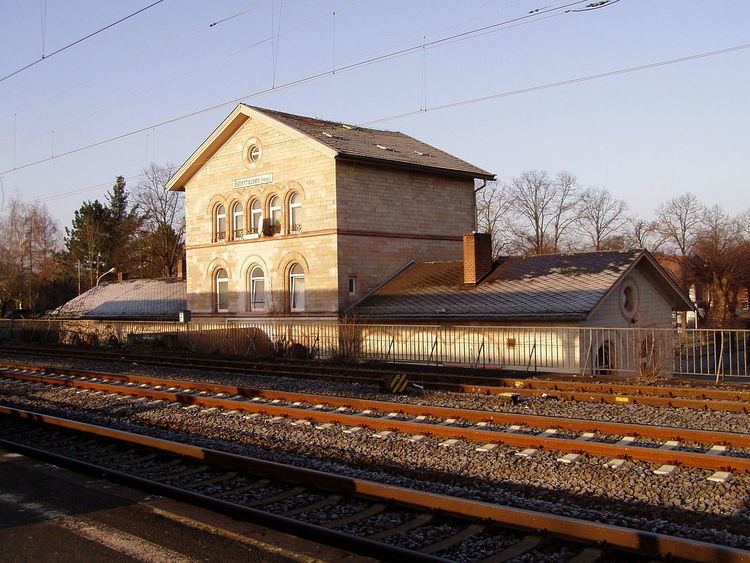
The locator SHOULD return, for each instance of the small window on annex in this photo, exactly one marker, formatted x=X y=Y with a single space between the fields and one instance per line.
x=352 y=286
x=295 y=213
x=221 y=223
x=257 y=289
x=256 y=217
x=296 y=288
x=274 y=210
x=238 y=221
x=222 y=291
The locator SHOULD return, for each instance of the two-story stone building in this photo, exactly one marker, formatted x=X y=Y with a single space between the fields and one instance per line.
x=299 y=216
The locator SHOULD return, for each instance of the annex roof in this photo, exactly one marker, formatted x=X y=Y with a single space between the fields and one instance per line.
x=552 y=287
x=350 y=142
x=148 y=299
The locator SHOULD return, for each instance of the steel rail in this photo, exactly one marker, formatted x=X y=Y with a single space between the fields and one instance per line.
x=640 y=541
x=602 y=449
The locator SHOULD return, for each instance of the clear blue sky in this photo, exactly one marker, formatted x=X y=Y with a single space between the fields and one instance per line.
x=646 y=136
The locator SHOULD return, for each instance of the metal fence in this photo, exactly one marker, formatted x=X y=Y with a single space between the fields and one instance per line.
x=580 y=350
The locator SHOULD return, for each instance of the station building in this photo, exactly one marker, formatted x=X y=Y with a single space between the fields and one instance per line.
x=300 y=217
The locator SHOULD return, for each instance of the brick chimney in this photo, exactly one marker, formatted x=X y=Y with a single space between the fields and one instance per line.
x=122 y=276
x=477 y=256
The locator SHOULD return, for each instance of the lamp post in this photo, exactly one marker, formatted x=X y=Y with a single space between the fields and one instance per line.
x=104 y=274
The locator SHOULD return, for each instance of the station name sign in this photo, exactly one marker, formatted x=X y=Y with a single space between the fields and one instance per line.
x=252 y=181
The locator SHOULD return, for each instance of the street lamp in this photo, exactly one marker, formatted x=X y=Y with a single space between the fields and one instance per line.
x=104 y=274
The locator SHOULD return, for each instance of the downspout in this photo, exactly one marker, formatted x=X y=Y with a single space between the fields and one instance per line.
x=476 y=191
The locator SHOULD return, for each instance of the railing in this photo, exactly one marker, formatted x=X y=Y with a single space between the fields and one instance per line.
x=578 y=350
x=220 y=236
x=238 y=234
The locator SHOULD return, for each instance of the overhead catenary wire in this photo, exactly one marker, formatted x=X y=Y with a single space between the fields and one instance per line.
x=78 y=41
x=489 y=97
x=309 y=78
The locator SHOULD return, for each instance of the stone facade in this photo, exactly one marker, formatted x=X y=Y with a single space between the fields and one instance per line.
x=361 y=221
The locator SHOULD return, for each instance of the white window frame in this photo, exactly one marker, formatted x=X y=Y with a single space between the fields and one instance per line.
x=221 y=215
x=294 y=280
x=238 y=220
x=295 y=213
x=221 y=280
x=274 y=207
x=256 y=217
x=253 y=291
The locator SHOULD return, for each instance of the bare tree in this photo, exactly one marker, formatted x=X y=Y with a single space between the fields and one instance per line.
x=644 y=234
x=543 y=209
x=715 y=263
x=163 y=212
x=601 y=217
x=29 y=236
x=679 y=221
x=493 y=205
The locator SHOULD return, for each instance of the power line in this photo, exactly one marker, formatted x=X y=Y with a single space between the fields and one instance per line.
x=77 y=41
x=296 y=82
x=486 y=98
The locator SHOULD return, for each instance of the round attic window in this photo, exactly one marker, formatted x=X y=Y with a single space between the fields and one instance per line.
x=252 y=153
x=629 y=298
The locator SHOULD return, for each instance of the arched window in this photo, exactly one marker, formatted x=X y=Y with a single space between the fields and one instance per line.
x=221 y=223
x=296 y=288
x=274 y=212
x=257 y=289
x=238 y=221
x=256 y=217
x=295 y=213
x=222 y=291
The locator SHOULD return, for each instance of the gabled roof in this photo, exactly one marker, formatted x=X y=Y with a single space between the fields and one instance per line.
x=552 y=287
x=150 y=299
x=344 y=141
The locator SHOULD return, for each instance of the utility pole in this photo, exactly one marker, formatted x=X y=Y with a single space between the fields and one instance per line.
x=79 y=276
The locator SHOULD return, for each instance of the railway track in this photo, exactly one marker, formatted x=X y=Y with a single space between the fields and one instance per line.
x=613 y=441
x=384 y=521
x=690 y=395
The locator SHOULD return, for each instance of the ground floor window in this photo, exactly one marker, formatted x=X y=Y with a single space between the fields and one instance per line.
x=296 y=288
x=257 y=290
x=222 y=291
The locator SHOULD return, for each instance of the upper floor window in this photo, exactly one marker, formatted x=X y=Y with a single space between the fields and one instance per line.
x=221 y=223
x=257 y=289
x=256 y=217
x=296 y=288
x=238 y=221
x=295 y=213
x=222 y=291
x=274 y=212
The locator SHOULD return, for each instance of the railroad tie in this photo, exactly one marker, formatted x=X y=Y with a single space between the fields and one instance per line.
x=626 y=441
x=417 y=438
x=324 y=426
x=585 y=437
x=549 y=433
x=257 y=484
x=328 y=501
x=416 y=522
x=666 y=470
x=669 y=445
x=448 y=443
x=569 y=458
x=294 y=491
x=588 y=555
x=469 y=532
x=447 y=422
x=382 y=434
x=721 y=477
x=352 y=430
x=371 y=511
x=485 y=448
x=717 y=449
x=615 y=463
x=525 y=545
x=528 y=452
